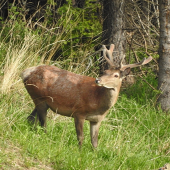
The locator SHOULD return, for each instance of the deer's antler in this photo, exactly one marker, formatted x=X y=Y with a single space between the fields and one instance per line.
x=143 y=62
x=122 y=67
x=109 y=54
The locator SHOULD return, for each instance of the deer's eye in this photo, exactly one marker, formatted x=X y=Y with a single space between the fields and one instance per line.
x=116 y=75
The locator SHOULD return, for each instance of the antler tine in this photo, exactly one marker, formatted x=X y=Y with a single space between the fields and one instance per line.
x=112 y=46
x=121 y=61
x=109 y=53
x=143 y=62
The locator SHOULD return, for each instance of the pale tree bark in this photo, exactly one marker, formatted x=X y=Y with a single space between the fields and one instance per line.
x=113 y=26
x=164 y=52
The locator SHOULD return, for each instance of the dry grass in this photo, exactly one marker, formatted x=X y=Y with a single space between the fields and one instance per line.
x=17 y=57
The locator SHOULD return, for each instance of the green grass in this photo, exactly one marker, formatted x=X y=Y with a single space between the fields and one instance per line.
x=134 y=135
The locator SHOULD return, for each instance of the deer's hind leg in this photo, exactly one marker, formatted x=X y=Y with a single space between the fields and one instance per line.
x=31 y=118
x=39 y=114
x=42 y=113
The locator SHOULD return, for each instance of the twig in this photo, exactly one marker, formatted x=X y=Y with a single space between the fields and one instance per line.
x=147 y=83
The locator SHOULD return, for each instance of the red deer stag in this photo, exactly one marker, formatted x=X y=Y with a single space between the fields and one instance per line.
x=77 y=96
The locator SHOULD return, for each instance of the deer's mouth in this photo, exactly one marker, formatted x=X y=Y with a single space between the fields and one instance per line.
x=99 y=83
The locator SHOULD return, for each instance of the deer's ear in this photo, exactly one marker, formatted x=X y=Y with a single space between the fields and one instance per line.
x=125 y=72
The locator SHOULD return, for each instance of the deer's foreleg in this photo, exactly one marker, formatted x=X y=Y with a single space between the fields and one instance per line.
x=94 y=131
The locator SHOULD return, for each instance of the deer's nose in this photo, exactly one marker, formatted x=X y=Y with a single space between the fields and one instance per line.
x=98 y=80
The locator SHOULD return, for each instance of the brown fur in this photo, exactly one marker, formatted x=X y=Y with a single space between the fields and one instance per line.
x=73 y=95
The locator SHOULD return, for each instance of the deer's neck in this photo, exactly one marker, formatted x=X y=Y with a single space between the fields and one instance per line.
x=111 y=96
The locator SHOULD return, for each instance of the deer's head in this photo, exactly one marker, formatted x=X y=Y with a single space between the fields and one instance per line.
x=112 y=77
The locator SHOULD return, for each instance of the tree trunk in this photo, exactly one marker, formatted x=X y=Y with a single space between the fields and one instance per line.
x=113 y=27
x=164 y=52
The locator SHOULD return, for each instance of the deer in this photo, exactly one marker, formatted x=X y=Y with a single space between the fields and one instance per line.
x=74 y=95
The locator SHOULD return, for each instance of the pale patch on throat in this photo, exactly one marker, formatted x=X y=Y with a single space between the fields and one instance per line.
x=108 y=87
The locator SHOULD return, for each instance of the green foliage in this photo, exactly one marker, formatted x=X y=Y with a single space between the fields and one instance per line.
x=86 y=20
x=13 y=10
x=144 y=89
x=83 y=24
